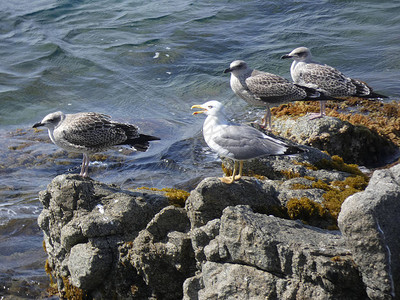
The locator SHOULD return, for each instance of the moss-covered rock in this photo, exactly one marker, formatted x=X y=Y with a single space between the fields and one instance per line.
x=360 y=131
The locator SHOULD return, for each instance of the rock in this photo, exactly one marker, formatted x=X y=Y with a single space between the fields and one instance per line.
x=279 y=167
x=223 y=281
x=369 y=221
x=256 y=256
x=226 y=281
x=163 y=255
x=89 y=263
x=83 y=222
x=287 y=192
x=330 y=134
x=272 y=166
x=211 y=196
x=201 y=237
x=230 y=241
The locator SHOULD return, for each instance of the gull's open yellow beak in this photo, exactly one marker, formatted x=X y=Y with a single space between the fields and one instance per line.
x=200 y=111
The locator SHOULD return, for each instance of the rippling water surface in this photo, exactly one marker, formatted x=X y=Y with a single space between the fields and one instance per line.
x=147 y=62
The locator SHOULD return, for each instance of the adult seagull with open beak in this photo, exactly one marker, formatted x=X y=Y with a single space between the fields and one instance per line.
x=237 y=142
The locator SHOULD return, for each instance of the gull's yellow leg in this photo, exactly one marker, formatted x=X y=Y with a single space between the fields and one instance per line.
x=230 y=179
x=240 y=171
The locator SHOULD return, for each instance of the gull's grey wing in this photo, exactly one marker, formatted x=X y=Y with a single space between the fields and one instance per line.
x=273 y=88
x=245 y=142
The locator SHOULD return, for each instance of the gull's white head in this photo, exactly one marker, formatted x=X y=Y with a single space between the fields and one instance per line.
x=299 y=54
x=237 y=67
x=210 y=108
x=51 y=120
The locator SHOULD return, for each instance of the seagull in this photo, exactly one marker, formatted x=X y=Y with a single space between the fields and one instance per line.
x=237 y=142
x=326 y=79
x=265 y=89
x=90 y=132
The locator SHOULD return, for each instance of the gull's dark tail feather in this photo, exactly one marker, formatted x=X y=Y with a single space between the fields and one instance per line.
x=363 y=90
x=376 y=95
x=134 y=139
x=293 y=150
x=315 y=95
x=141 y=143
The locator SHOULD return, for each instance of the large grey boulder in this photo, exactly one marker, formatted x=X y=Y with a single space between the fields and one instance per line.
x=370 y=222
x=84 y=221
x=336 y=137
x=230 y=281
x=256 y=256
x=88 y=264
x=211 y=196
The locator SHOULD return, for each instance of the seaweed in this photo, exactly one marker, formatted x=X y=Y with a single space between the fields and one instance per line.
x=336 y=192
x=289 y=174
x=310 y=212
x=337 y=163
x=69 y=291
x=176 y=197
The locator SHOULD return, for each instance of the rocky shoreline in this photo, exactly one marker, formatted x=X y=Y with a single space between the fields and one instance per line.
x=280 y=233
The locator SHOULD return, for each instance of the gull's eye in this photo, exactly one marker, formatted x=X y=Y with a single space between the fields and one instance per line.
x=210 y=106
x=53 y=119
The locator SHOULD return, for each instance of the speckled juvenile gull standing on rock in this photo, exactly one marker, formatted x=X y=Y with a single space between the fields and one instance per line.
x=90 y=132
x=326 y=79
x=237 y=142
x=265 y=89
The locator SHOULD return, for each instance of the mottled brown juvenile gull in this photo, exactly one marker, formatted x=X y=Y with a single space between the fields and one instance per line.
x=265 y=89
x=326 y=79
x=90 y=132
x=237 y=142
